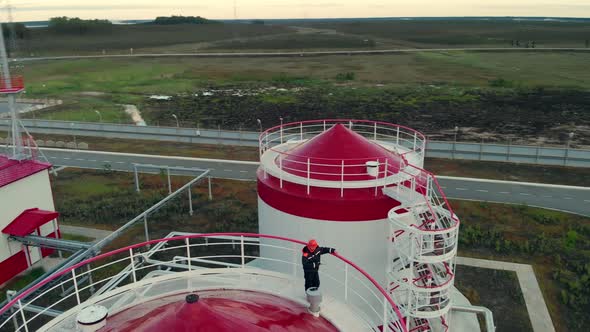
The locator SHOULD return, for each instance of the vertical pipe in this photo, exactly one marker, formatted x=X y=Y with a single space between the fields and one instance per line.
x=345 y=282
x=481 y=150
x=132 y=265
x=375 y=131
x=385 y=313
x=22 y=311
x=188 y=253
x=136 y=178
x=190 y=200
x=75 y=285
x=169 y=182
x=342 y=180
x=377 y=178
x=17 y=140
x=145 y=227
x=210 y=193
x=397 y=137
x=324 y=125
x=386 y=168
x=281 y=171
x=281 y=133
x=90 y=279
x=9 y=297
x=308 y=175
x=294 y=259
x=301 y=131
x=242 y=250
x=415 y=138
x=428 y=187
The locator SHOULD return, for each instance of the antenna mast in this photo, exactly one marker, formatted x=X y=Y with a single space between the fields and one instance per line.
x=7 y=87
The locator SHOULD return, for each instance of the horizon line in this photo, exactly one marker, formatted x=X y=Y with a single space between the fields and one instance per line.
x=331 y=18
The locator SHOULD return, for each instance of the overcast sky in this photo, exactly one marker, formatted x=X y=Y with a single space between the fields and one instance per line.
x=28 y=10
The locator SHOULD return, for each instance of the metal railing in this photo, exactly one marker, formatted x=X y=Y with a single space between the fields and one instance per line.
x=405 y=145
x=129 y=271
x=498 y=152
x=407 y=140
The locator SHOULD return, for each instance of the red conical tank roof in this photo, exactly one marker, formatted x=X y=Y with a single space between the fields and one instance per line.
x=328 y=151
x=218 y=311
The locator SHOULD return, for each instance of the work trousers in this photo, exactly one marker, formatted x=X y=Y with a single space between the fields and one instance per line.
x=312 y=279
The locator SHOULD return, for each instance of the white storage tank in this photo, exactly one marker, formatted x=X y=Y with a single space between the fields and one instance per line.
x=324 y=180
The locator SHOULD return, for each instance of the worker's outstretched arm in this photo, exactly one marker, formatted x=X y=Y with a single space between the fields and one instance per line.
x=327 y=250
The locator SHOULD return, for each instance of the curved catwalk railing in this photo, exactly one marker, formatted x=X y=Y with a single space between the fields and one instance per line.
x=113 y=279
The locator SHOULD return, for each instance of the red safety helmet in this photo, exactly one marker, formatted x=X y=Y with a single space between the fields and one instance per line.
x=312 y=244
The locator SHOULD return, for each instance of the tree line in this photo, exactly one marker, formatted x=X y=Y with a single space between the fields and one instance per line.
x=169 y=20
x=75 y=25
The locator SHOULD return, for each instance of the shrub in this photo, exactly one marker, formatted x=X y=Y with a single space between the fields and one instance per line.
x=348 y=76
x=501 y=83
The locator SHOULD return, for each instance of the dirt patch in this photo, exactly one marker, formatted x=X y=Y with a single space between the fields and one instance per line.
x=134 y=114
x=92 y=93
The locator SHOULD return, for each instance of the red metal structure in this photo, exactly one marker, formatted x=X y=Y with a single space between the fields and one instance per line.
x=15 y=85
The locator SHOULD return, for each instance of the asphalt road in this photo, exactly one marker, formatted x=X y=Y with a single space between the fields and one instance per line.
x=541 y=155
x=564 y=198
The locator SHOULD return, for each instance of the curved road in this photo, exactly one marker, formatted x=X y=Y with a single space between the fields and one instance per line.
x=301 y=54
x=564 y=198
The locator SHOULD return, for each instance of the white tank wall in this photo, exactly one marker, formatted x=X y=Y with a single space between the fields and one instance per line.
x=31 y=192
x=364 y=243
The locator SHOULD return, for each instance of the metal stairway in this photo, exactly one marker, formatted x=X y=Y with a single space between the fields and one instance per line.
x=423 y=232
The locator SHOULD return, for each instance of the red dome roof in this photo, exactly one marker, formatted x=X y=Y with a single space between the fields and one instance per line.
x=219 y=311
x=327 y=150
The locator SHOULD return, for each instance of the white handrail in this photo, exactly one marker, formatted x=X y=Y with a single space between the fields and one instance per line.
x=369 y=296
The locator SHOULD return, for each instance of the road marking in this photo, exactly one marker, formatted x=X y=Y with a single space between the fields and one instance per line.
x=504 y=192
x=482 y=191
x=78 y=159
x=66 y=158
x=461 y=188
x=92 y=160
x=106 y=161
x=525 y=194
x=587 y=200
x=243 y=171
x=443 y=187
x=120 y=162
x=547 y=196
x=228 y=170
x=567 y=198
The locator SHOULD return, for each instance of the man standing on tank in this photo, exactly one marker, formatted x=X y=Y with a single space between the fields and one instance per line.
x=310 y=259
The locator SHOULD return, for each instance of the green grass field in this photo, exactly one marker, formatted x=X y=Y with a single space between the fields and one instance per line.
x=178 y=75
x=465 y=33
x=119 y=39
x=74 y=237
x=498 y=291
x=555 y=243
x=304 y=35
